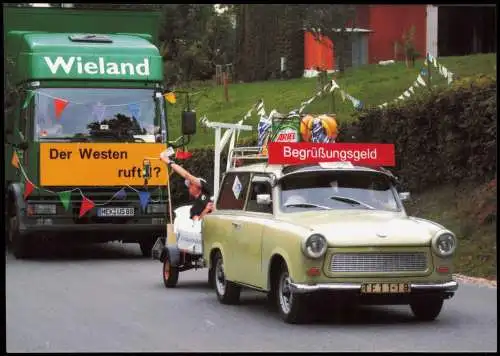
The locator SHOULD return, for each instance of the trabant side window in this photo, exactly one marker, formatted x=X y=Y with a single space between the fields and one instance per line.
x=233 y=191
x=260 y=185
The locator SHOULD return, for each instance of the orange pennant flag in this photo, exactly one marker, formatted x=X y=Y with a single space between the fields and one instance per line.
x=15 y=160
x=28 y=189
x=87 y=205
x=60 y=105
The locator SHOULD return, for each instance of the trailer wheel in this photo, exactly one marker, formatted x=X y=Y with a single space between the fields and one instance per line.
x=170 y=273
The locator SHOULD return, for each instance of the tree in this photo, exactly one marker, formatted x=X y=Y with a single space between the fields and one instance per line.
x=194 y=38
x=331 y=21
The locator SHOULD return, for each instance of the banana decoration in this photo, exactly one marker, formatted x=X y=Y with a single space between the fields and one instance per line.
x=321 y=129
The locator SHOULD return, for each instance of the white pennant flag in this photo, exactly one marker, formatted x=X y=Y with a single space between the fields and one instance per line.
x=445 y=72
x=450 y=77
x=412 y=90
x=421 y=80
x=407 y=94
x=434 y=61
x=415 y=84
x=319 y=93
x=343 y=95
x=441 y=69
x=334 y=86
x=401 y=97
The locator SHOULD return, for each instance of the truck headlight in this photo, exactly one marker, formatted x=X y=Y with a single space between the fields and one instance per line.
x=42 y=209
x=444 y=243
x=314 y=246
x=156 y=208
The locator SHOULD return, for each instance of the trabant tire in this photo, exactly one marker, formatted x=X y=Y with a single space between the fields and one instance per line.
x=227 y=292
x=427 y=309
x=292 y=307
x=170 y=273
x=211 y=277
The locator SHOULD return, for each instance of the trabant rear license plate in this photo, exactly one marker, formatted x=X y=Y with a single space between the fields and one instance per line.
x=111 y=212
x=385 y=288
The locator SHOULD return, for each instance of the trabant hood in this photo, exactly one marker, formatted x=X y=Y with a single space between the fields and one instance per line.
x=353 y=228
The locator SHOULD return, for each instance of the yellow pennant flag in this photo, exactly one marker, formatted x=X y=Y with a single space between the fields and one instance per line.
x=15 y=160
x=170 y=97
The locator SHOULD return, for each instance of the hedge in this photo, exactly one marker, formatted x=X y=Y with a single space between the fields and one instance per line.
x=443 y=137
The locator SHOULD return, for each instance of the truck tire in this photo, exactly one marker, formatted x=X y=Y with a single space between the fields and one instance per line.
x=147 y=247
x=227 y=292
x=18 y=241
x=170 y=273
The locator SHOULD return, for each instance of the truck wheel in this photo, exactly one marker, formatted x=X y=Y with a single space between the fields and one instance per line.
x=428 y=309
x=292 y=307
x=170 y=273
x=227 y=292
x=19 y=242
x=146 y=247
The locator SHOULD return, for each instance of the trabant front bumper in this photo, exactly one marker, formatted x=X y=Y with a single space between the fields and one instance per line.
x=450 y=286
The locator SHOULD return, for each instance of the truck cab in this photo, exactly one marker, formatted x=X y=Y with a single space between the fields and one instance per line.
x=86 y=118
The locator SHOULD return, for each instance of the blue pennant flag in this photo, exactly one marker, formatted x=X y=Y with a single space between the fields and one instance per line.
x=144 y=198
x=121 y=194
x=423 y=72
x=135 y=109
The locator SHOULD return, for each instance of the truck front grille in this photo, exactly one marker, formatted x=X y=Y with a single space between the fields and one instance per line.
x=379 y=262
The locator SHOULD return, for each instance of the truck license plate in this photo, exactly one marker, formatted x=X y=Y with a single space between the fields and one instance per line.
x=385 y=288
x=108 y=212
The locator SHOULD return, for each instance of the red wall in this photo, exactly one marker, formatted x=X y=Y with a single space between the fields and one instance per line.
x=318 y=54
x=388 y=23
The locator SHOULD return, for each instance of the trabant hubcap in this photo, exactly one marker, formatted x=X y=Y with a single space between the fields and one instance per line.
x=285 y=293
x=220 y=279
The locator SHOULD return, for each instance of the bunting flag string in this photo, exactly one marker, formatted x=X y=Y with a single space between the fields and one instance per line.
x=86 y=204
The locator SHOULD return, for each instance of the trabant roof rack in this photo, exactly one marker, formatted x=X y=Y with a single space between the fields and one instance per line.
x=239 y=156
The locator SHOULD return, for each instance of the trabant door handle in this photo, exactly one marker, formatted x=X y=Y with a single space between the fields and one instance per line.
x=236 y=225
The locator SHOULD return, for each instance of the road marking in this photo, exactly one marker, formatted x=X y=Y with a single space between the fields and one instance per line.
x=476 y=280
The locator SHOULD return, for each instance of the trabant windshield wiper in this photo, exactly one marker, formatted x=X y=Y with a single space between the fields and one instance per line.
x=307 y=205
x=351 y=201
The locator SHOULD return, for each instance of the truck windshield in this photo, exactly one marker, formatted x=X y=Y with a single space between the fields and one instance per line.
x=337 y=190
x=98 y=113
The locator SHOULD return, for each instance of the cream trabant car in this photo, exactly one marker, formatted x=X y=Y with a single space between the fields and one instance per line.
x=296 y=232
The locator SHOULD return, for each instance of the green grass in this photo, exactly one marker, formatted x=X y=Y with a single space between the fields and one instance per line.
x=372 y=84
x=449 y=206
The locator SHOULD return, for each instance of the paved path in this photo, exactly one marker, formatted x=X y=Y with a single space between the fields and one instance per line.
x=103 y=298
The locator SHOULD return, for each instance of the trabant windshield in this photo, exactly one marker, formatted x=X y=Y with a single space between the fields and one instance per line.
x=104 y=114
x=337 y=190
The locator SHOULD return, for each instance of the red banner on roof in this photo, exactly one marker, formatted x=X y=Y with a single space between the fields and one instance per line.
x=369 y=154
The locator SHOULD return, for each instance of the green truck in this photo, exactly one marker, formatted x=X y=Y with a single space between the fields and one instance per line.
x=85 y=118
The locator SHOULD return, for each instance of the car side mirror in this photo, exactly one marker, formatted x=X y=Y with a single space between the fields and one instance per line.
x=404 y=196
x=188 y=123
x=263 y=199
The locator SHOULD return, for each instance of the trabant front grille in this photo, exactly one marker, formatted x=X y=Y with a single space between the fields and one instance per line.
x=379 y=262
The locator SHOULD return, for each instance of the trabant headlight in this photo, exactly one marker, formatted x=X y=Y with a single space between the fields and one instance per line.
x=314 y=246
x=444 y=243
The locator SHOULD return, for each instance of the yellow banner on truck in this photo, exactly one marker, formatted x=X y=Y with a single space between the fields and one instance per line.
x=100 y=164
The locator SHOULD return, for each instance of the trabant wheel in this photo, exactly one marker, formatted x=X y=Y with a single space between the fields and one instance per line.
x=292 y=307
x=428 y=309
x=170 y=273
x=227 y=292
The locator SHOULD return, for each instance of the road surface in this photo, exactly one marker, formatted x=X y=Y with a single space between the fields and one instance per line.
x=104 y=298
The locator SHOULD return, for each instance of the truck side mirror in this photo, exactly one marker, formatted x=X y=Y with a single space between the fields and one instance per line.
x=188 y=124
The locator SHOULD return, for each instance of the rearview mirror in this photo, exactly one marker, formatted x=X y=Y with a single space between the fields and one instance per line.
x=404 y=196
x=188 y=124
x=263 y=199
